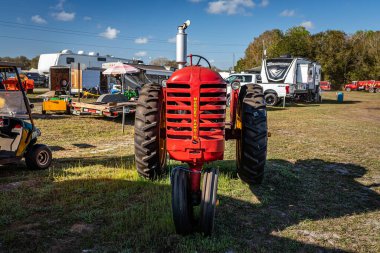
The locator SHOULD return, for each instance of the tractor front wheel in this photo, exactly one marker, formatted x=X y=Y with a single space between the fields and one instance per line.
x=208 y=202
x=251 y=146
x=182 y=206
x=150 y=145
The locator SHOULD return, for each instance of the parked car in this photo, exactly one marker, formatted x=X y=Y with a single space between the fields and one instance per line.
x=273 y=92
x=39 y=80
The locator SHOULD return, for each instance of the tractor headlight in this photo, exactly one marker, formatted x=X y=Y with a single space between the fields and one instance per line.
x=163 y=83
x=235 y=85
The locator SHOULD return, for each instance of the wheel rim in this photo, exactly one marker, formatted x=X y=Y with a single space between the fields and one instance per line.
x=43 y=157
x=269 y=100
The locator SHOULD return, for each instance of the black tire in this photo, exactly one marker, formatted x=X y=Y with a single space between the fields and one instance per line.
x=181 y=202
x=271 y=99
x=150 y=146
x=348 y=89
x=208 y=201
x=43 y=112
x=38 y=157
x=377 y=90
x=251 y=147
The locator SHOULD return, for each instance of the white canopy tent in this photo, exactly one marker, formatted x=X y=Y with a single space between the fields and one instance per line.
x=121 y=69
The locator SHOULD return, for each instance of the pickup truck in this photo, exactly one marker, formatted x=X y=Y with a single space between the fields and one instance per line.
x=273 y=92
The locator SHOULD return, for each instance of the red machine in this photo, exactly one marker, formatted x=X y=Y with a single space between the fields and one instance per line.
x=187 y=119
x=325 y=85
x=371 y=86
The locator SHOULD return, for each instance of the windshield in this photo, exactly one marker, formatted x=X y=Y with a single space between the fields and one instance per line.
x=12 y=102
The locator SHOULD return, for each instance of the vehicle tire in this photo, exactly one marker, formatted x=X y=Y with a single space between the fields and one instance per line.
x=181 y=202
x=348 y=89
x=150 y=146
x=43 y=112
x=208 y=201
x=371 y=90
x=251 y=146
x=271 y=99
x=68 y=110
x=38 y=157
x=377 y=90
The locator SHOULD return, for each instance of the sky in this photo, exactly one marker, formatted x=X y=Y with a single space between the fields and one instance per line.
x=220 y=30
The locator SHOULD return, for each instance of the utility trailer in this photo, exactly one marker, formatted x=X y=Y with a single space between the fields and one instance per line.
x=108 y=105
x=302 y=75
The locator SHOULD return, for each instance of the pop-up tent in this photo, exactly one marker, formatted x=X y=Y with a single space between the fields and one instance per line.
x=121 y=69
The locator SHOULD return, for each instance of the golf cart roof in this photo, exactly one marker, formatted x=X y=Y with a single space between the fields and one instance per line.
x=10 y=64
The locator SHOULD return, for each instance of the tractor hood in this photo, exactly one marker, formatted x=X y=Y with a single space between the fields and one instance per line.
x=196 y=73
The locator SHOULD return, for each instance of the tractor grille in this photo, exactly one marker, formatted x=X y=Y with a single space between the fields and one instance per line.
x=178 y=111
x=212 y=108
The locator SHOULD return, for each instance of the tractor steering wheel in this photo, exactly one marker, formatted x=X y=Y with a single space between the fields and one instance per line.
x=200 y=58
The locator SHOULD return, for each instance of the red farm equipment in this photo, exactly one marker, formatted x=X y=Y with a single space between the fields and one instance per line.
x=186 y=119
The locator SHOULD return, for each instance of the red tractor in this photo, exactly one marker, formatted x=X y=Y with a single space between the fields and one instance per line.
x=186 y=119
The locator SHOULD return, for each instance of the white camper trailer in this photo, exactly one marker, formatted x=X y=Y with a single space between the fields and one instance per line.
x=67 y=57
x=302 y=76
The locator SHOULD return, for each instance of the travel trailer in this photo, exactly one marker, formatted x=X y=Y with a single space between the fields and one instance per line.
x=302 y=75
x=67 y=57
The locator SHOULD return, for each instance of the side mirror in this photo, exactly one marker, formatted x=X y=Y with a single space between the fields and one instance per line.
x=31 y=106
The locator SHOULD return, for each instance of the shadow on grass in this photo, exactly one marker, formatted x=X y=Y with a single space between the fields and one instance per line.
x=123 y=215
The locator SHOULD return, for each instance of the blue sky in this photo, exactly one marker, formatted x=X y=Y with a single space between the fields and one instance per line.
x=144 y=29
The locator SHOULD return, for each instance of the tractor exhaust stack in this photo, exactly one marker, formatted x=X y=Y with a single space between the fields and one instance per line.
x=181 y=52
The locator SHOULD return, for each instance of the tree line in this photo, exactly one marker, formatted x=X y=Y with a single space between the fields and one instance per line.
x=343 y=57
x=23 y=60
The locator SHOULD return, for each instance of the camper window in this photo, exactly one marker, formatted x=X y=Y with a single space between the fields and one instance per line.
x=70 y=60
x=102 y=59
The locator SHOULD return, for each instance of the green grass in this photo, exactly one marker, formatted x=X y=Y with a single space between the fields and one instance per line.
x=320 y=193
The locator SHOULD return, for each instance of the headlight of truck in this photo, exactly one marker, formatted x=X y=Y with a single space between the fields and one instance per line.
x=235 y=85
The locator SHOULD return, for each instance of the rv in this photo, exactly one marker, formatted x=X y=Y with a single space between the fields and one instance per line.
x=67 y=57
x=302 y=75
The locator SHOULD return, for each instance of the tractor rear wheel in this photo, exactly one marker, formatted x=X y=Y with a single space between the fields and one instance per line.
x=150 y=145
x=208 y=202
x=182 y=202
x=251 y=147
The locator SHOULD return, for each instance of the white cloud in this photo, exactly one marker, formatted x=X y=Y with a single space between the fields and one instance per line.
x=38 y=20
x=141 y=54
x=264 y=3
x=59 y=5
x=172 y=40
x=87 y=18
x=307 y=24
x=229 y=7
x=288 y=13
x=110 y=33
x=64 y=16
x=142 y=40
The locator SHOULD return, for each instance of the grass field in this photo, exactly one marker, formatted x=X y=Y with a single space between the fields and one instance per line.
x=320 y=193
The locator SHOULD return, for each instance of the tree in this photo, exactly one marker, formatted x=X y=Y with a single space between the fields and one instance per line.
x=254 y=52
x=296 y=42
x=162 y=61
x=333 y=52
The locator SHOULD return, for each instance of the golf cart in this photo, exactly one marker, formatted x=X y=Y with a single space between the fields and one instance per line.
x=18 y=135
